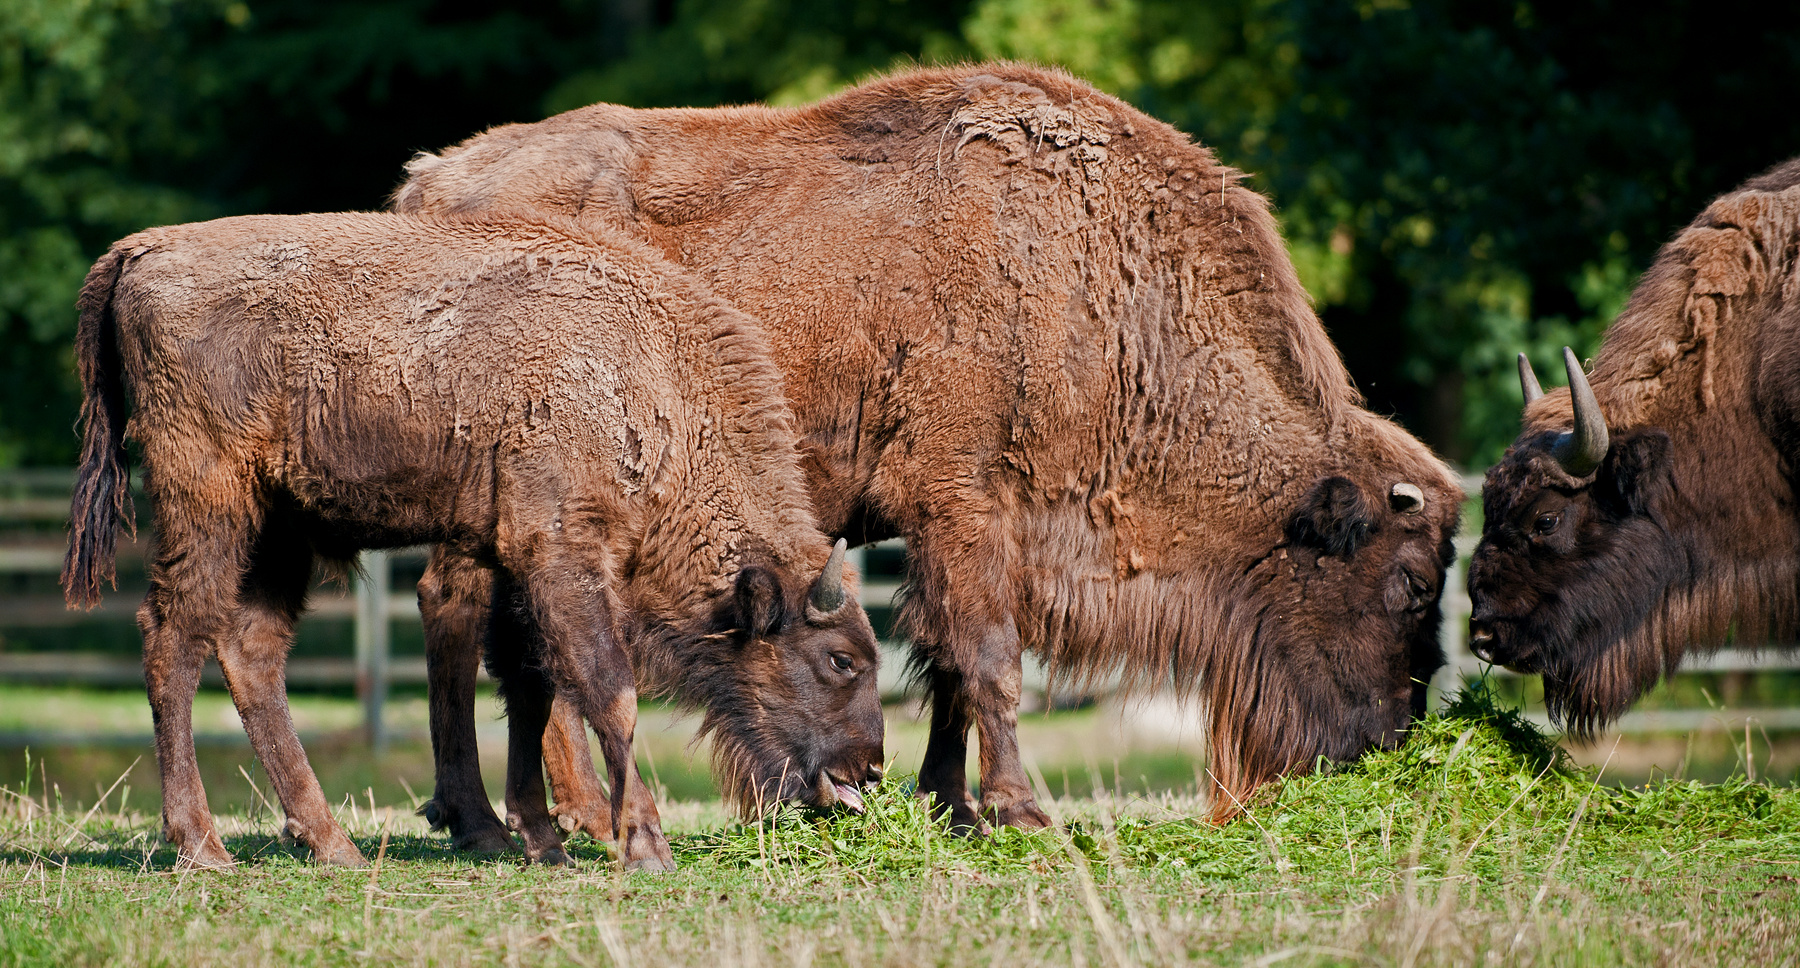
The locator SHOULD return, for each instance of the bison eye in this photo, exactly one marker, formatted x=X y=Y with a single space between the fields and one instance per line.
x=842 y=661
x=1547 y=523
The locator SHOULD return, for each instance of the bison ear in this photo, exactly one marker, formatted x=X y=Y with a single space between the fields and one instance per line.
x=761 y=608
x=1635 y=472
x=1333 y=517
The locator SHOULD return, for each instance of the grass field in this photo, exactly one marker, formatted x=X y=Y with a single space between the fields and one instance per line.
x=1475 y=843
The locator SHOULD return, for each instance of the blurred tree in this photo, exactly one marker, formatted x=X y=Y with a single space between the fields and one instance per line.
x=1457 y=180
x=119 y=114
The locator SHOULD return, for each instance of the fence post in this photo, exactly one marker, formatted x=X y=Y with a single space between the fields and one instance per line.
x=372 y=643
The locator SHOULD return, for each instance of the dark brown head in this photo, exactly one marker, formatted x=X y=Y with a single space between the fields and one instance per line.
x=789 y=688
x=1347 y=634
x=1576 y=558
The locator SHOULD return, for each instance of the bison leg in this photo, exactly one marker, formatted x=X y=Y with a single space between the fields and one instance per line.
x=456 y=601
x=527 y=692
x=1006 y=796
x=943 y=772
x=581 y=802
x=254 y=659
x=582 y=652
x=173 y=656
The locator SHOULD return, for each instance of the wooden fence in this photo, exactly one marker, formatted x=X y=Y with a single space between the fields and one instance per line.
x=34 y=508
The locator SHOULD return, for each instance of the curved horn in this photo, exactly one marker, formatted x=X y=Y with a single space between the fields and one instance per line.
x=1406 y=498
x=828 y=591
x=1582 y=449
x=1528 y=381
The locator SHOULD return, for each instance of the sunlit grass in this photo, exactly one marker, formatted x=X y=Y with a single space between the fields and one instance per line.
x=1475 y=842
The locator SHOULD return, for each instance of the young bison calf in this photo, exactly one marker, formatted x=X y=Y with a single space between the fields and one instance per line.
x=611 y=441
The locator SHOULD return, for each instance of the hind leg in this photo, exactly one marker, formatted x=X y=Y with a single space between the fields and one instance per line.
x=203 y=539
x=943 y=773
x=173 y=655
x=456 y=601
x=254 y=660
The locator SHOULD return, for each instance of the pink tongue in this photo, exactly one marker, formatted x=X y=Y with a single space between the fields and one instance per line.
x=848 y=796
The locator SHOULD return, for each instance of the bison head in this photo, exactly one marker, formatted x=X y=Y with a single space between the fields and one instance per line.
x=790 y=696
x=1346 y=634
x=1575 y=558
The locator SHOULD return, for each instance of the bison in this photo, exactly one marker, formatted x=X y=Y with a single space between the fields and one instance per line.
x=1056 y=346
x=1649 y=510
x=570 y=412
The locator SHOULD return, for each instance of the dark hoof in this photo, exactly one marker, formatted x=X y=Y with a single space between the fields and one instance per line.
x=486 y=842
x=963 y=820
x=553 y=857
x=435 y=814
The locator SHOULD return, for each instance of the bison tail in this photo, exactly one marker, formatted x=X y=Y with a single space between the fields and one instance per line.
x=101 y=501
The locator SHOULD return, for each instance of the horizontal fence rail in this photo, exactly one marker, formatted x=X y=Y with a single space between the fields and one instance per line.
x=38 y=498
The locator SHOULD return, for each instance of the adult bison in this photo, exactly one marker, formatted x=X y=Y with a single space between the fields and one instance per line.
x=1054 y=344
x=571 y=412
x=1651 y=510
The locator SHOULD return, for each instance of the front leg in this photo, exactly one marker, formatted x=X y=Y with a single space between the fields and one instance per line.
x=581 y=802
x=993 y=688
x=527 y=692
x=589 y=668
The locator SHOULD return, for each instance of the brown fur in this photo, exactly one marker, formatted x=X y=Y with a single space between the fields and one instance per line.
x=1062 y=351
x=572 y=413
x=1687 y=534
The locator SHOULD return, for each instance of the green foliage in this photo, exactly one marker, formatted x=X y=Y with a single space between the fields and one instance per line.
x=1474 y=785
x=1475 y=841
x=1458 y=182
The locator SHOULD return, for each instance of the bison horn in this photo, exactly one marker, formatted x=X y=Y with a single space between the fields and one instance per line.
x=1406 y=498
x=828 y=591
x=1582 y=449
x=1528 y=381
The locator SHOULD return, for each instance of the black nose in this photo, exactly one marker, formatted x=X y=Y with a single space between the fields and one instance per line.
x=875 y=773
x=1480 y=637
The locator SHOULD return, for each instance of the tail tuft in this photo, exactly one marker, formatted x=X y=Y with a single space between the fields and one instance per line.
x=101 y=503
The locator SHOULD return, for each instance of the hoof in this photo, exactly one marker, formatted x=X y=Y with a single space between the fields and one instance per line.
x=487 y=840
x=553 y=857
x=1024 y=815
x=596 y=823
x=963 y=820
x=211 y=855
x=341 y=855
x=654 y=865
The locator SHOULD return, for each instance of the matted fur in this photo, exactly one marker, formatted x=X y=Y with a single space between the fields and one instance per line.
x=570 y=410
x=1059 y=348
x=1686 y=536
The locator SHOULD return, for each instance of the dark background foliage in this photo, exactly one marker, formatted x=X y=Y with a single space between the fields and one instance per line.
x=1458 y=181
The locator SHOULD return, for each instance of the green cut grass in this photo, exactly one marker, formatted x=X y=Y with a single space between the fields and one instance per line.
x=1476 y=841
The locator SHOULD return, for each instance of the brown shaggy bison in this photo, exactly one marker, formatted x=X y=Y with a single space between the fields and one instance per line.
x=572 y=413
x=1656 y=512
x=1055 y=345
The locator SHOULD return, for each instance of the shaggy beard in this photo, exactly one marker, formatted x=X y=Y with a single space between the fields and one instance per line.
x=748 y=779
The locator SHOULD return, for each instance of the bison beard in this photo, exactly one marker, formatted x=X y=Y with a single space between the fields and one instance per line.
x=627 y=484
x=1664 y=518
x=1056 y=346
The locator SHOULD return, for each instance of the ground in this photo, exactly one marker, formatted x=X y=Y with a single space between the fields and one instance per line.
x=1477 y=842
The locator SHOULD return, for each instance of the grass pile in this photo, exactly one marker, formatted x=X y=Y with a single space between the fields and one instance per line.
x=1477 y=840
